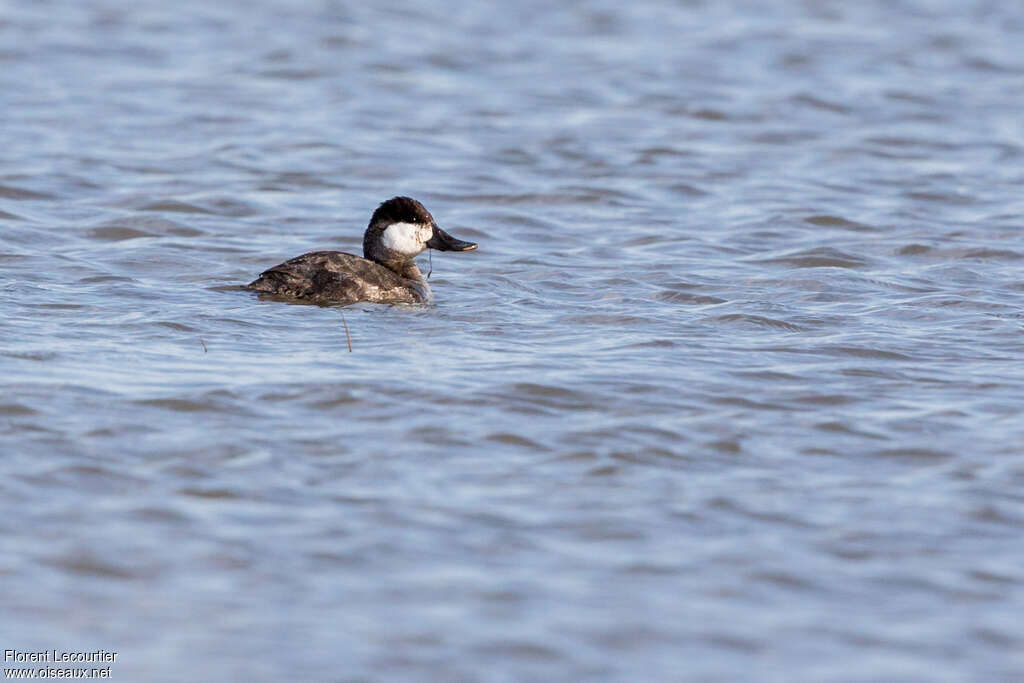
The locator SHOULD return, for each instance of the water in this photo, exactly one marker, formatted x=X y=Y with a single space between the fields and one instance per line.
x=731 y=389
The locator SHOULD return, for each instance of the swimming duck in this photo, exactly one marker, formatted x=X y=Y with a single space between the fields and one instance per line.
x=400 y=229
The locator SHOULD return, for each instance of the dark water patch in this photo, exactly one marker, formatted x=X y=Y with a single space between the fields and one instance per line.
x=160 y=515
x=983 y=64
x=40 y=355
x=957 y=302
x=519 y=649
x=753 y=320
x=827 y=399
x=730 y=642
x=783 y=579
x=130 y=227
x=820 y=104
x=12 y=192
x=960 y=253
x=653 y=344
x=767 y=375
x=912 y=454
x=183 y=405
x=97 y=479
x=609 y=285
x=843 y=428
x=743 y=402
x=61 y=307
x=865 y=352
x=213 y=493
x=687 y=190
x=530 y=397
x=942 y=197
x=117 y=432
x=911 y=96
x=322 y=400
x=679 y=285
x=709 y=115
x=117 y=233
x=93 y=564
x=437 y=436
x=984 y=254
x=173 y=206
x=821 y=257
x=748 y=509
x=516 y=440
x=176 y=326
x=229 y=206
x=899 y=141
x=726 y=446
x=289 y=74
x=654 y=434
x=105 y=279
x=656 y=152
x=16 y=409
x=289 y=181
x=838 y=222
x=569 y=195
x=646 y=240
x=605 y=320
x=997 y=638
x=782 y=137
x=995 y=514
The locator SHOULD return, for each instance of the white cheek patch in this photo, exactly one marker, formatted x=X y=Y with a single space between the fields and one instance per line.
x=406 y=238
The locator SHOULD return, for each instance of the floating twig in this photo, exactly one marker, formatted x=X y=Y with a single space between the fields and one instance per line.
x=203 y=343
x=348 y=337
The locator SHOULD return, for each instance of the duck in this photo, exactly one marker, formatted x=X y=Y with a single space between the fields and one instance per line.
x=400 y=229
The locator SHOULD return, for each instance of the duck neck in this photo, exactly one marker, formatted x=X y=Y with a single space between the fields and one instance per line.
x=408 y=270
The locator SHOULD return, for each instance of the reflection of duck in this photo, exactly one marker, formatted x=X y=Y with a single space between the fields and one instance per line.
x=400 y=229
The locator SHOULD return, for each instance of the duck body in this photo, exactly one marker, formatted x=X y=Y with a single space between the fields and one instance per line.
x=399 y=230
x=334 y=277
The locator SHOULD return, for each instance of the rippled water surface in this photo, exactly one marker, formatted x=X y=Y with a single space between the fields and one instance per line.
x=731 y=389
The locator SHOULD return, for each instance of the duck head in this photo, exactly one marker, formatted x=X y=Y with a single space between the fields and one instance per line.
x=401 y=228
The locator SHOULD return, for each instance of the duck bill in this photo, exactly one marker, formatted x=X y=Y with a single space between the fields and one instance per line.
x=442 y=241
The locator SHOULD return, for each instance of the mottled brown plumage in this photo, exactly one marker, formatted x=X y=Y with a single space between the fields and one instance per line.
x=386 y=274
x=334 y=277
